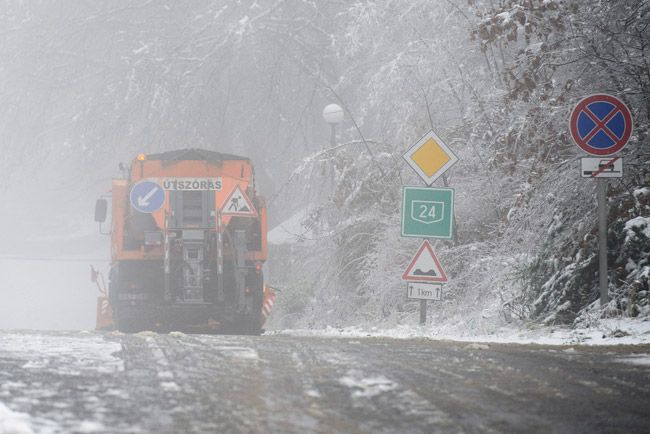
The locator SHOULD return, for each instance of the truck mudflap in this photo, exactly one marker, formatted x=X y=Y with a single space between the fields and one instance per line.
x=267 y=304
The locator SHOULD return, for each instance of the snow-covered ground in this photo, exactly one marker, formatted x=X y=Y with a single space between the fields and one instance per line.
x=622 y=331
x=39 y=368
x=82 y=382
x=13 y=422
x=72 y=353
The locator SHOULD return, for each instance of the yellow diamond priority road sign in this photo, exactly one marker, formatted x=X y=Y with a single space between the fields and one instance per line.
x=430 y=157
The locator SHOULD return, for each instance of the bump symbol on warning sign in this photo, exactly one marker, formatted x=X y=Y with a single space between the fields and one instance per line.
x=238 y=204
x=425 y=266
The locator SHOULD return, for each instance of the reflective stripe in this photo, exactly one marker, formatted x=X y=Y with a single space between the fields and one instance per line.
x=104 y=307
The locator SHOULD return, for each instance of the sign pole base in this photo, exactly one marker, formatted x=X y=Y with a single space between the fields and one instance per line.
x=423 y=312
x=602 y=241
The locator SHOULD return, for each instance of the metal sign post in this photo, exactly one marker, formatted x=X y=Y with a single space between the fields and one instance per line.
x=423 y=312
x=602 y=240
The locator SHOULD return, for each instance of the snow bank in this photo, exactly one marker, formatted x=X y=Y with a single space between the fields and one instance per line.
x=640 y=192
x=637 y=359
x=606 y=332
x=640 y=224
x=291 y=230
x=12 y=422
x=84 y=352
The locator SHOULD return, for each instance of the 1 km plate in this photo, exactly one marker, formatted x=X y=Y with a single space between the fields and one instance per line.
x=424 y=291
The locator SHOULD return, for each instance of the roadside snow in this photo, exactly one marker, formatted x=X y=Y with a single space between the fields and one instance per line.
x=640 y=223
x=625 y=331
x=43 y=364
x=84 y=351
x=641 y=192
x=291 y=230
x=12 y=422
x=505 y=17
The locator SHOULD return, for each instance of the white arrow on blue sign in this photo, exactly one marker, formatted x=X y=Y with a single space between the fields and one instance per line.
x=147 y=196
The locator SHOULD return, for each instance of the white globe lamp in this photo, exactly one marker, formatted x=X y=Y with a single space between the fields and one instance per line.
x=333 y=114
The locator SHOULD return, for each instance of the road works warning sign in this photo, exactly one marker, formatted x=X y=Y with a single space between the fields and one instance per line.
x=238 y=204
x=425 y=266
x=430 y=157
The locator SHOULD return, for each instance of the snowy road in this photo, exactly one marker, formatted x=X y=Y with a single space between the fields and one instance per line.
x=88 y=382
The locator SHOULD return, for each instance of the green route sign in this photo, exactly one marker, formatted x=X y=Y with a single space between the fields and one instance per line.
x=427 y=212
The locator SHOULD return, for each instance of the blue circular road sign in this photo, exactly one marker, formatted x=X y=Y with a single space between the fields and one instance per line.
x=147 y=196
x=601 y=124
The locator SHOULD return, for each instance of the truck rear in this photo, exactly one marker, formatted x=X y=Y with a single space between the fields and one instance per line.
x=188 y=242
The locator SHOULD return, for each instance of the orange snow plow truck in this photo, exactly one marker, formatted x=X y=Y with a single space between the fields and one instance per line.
x=188 y=241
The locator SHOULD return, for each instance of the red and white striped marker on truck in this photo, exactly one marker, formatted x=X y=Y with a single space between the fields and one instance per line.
x=269 y=301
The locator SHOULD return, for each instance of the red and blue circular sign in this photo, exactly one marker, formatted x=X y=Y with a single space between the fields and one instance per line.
x=601 y=124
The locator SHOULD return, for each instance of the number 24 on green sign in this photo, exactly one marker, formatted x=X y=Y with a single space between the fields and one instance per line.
x=427 y=212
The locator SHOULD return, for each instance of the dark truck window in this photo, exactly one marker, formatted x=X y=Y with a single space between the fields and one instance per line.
x=193 y=208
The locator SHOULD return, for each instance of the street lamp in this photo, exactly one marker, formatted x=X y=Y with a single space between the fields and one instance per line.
x=333 y=114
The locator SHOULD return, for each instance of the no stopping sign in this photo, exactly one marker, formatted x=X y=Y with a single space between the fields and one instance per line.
x=601 y=124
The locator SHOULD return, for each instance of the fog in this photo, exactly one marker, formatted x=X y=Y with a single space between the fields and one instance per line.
x=86 y=85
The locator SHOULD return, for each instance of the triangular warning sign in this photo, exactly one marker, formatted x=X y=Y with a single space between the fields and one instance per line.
x=238 y=204
x=425 y=267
